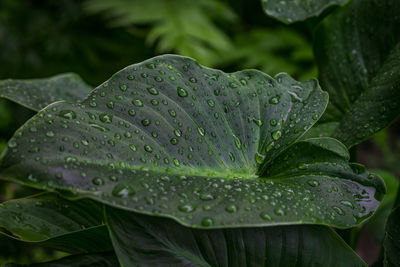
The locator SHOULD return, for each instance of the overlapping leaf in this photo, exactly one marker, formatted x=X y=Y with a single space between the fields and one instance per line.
x=49 y=220
x=289 y=11
x=141 y=240
x=358 y=55
x=170 y=137
x=392 y=239
x=35 y=94
x=81 y=260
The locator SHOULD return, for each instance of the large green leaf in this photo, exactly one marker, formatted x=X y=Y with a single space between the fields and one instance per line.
x=289 y=11
x=209 y=149
x=81 y=260
x=141 y=240
x=358 y=55
x=35 y=94
x=48 y=220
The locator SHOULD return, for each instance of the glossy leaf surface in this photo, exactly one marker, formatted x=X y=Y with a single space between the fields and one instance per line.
x=35 y=94
x=81 y=260
x=48 y=220
x=141 y=240
x=289 y=11
x=170 y=137
x=358 y=55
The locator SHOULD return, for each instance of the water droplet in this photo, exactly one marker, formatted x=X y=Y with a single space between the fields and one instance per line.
x=152 y=90
x=148 y=148
x=146 y=122
x=347 y=203
x=259 y=158
x=176 y=162
x=178 y=132
x=338 y=210
x=238 y=143
x=276 y=135
x=50 y=134
x=206 y=196
x=137 y=102
x=279 y=212
x=67 y=114
x=186 y=208
x=207 y=222
x=172 y=112
x=12 y=143
x=174 y=141
x=132 y=112
x=265 y=216
x=274 y=100
x=313 y=183
x=233 y=85
x=123 y=87
x=182 y=92
x=106 y=118
x=259 y=123
x=201 y=131
x=122 y=190
x=231 y=208
x=97 y=181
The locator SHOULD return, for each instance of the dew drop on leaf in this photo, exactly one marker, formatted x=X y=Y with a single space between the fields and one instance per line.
x=182 y=92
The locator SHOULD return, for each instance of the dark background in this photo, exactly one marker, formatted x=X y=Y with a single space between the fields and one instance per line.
x=96 y=38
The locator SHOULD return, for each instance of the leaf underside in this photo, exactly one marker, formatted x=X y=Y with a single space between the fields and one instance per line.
x=81 y=260
x=289 y=11
x=36 y=94
x=172 y=138
x=48 y=220
x=141 y=240
x=358 y=56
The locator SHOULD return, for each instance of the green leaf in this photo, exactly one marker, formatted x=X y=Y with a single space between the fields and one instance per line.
x=392 y=239
x=378 y=221
x=51 y=221
x=172 y=138
x=358 y=51
x=35 y=94
x=324 y=129
x=82 y=260
x=289 y=11
x=141 y=240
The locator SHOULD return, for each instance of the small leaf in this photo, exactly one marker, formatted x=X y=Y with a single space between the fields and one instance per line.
x=358 y=51
x=325 y=129
x=51 y=221
x=82 y=260
x=141 y=240
x=376 y=224
x=172 y=138
x=35 y=94
x=289 y=11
